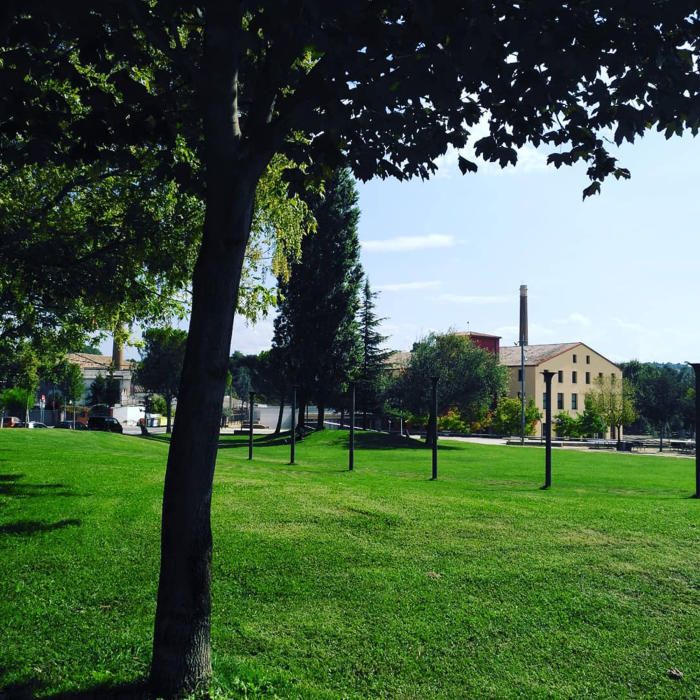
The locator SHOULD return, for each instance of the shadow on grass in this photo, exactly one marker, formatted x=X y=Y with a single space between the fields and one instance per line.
x=382 y=441
x=32 y=690
x=10 y=486
x=31 y=527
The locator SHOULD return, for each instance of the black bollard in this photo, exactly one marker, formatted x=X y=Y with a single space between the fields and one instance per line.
x=251 y=397
x=434 y=380
x=696 y=368
x=548 y=430
x=293 y=443
x=351 y=454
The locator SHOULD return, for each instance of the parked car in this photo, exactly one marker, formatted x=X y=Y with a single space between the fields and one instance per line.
x=68 y=425
x=36 y=424
x=105 y=423
x=10 y=422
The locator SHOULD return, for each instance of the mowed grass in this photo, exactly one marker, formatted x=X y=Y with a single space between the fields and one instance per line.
x=373 y=584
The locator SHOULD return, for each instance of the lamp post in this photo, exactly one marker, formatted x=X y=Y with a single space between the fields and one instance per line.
x=293 y=443
x=547 y=374
x=434 y=380
x=351 y=453
x=251 y=397
x=522 y=391
x=696 y=369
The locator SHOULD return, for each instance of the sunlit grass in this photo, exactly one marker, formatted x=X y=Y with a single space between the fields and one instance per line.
x=375 y=583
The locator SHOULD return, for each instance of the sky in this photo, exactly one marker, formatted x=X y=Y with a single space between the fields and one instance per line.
x=619 y=271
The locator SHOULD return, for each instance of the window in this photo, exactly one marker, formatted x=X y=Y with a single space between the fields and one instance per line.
x=588 y=377
x=574 y=358
x=574 y=402
x=574 y=377
x=588 y=359
x=560 y=376
x=520 y=375
x=560 y=401
x=544 y=400
x=600 y=375
x=612 y=375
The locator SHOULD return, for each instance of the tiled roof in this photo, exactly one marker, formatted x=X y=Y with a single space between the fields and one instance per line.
x=534 y=354
x=474 y=334
x=99 y=362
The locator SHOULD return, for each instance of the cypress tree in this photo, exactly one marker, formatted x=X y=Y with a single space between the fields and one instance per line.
x=373 y=373
x=318 y=306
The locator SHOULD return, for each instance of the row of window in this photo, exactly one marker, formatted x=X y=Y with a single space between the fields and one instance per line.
x=574 y=376
x=588 y=359
x=560 y=401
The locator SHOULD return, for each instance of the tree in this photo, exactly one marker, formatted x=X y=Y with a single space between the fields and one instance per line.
x=160 y=366
x=383 y=88
x=469 y=378
x=373 y=376
x=612 y=399
x=507 y=416
x=104 y=391
x=590 y=422
x=320 y=310
x=66 y=381
x=664 y=395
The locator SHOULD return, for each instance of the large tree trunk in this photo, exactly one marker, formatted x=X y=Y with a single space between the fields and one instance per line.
x=181 y=644
x=321 y=417
x=280 y=415
x=301 y=408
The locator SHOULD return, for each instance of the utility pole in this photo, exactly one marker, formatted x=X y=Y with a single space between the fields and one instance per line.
x=434 y=380
x=696 y=368
x=547 y=374
x=251 y=398
x=351 y=454
x=293 y=443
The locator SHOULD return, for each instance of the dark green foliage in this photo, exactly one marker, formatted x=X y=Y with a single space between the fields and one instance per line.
x=372 y=378
x=161 y=364
x=65 y=381
x=317 y=324
x=664 y=396
x=104 y=390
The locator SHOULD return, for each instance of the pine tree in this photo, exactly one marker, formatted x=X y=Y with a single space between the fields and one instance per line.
x=317 y=324
x=373 y=373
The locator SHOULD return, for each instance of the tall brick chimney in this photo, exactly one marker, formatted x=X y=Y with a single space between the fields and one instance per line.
x=523 y=314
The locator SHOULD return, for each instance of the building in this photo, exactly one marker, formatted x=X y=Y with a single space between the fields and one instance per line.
x=576 y=367
x=92 y=365
x=485 y=341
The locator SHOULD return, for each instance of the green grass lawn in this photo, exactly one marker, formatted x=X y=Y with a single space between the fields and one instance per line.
x=373 y=584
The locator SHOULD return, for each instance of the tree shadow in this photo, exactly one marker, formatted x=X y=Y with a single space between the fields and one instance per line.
x=31 y=527
x=10 y=486
x=383 y=441
x=32 y=690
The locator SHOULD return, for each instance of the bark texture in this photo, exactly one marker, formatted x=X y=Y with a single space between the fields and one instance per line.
x=181 y=645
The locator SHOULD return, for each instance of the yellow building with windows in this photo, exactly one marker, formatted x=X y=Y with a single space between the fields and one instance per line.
x=575 y=365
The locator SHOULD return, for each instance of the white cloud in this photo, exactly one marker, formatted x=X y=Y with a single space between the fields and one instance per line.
x=406 y=286
x=577 y=318
x=475 y=299
x=404 y=243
